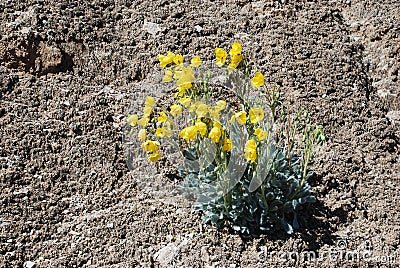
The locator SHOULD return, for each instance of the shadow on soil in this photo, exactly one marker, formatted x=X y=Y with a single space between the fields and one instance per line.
x=317 y=223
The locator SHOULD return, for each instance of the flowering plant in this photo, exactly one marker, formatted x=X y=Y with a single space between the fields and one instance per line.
x=245 y=154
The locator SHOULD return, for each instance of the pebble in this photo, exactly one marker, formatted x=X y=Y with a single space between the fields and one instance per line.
x=74 y=233
x=205 y=257
x=198 y=28
x=394 y=117
x=166 y=254
x=170 y=237
x=151 y=28
x=29 y=264
x=22 y=191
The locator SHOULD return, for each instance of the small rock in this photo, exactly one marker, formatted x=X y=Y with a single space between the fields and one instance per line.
x=355 y=26
x=256 y=7
x=183 y=243
x=205 y=257
x=383 y=93
x=74 y=233
x=51 y=58
x=179 y=211
x=22 y=191
x=166 y=254
x=108 y=89
x=191 y=235
x=151 y=28
x=170 y=237
x=25 y=30
x=119 y=96
x=29 y=264
x=198 y=28
x=394 y=117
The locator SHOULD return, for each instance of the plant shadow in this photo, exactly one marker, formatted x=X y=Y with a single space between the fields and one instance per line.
x=317 y=222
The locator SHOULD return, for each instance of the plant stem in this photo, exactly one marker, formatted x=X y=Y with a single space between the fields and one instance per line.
x=304 y=176
x=226 y=204
x=263 y=196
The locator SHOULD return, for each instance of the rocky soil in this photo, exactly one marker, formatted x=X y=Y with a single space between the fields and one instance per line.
x=71 y=71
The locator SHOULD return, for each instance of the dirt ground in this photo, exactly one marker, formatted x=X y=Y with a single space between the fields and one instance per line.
x=70 y=71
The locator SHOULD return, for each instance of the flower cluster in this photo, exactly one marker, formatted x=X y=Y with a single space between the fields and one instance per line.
x=272 y=181
x=204 y=118
x=235 y=56
x=150 y=146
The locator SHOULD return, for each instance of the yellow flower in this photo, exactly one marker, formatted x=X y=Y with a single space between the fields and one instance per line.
x=201 y=127
x=240 y=117
x=220 y=105
x=235 y=60
x=215 y=134
x=183 y=86
x=184 y=77
x=150 y=101
x=159 y=132
x=258 y=80
x=178 y=70
x=165 y=60
x=176 y=110
x=214 y=113
x=220 y=55
x=185 y=101
x=167 y=130
x=181 y=91
x=143 y=121
x=227 y=145
x=147 y=111
x=178 y=59
x=217 y=124
x=167 y=76
x=142 y=134
x=250 y=151
x=236 y=49
x=132 y=119
x=195 y=62
x=188 y=133
x=162 y=118
x=261 y=134
x=150 y=146
x=201 y=110
x=256 y=115
x=154 y=157
x=193 y=107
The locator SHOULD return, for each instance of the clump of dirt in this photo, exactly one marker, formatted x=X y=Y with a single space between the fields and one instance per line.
x=32 y=56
